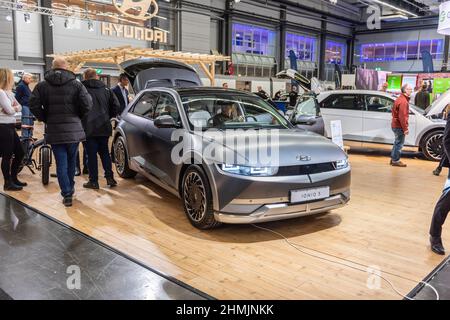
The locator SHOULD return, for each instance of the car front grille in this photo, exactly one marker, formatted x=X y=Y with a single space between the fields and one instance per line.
x=306 y=169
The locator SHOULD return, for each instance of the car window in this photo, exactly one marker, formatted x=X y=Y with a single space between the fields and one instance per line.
x=165 y=83
x=379 y=104
x=146 y=105
x=345 y=102
x=185 y=83
x=224 y=110
x=307 y=106
x=167 y=107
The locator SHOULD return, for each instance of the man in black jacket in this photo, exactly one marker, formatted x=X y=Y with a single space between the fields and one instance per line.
x=422 y=99
x=121 y=92
x=97 y=125
x=61 y=102
x=443 y=205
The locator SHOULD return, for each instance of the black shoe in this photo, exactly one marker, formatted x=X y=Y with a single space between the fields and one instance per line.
x=85 y=170
x=91 y=185
x=111 y=182
x=437 y=171
x=67 y=201
x=11 y=186
x=19 y=183
x=436 y=245
x=77 y=172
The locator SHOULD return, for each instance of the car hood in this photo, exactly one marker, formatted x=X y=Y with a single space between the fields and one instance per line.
x=289 y=147
x=438 y=106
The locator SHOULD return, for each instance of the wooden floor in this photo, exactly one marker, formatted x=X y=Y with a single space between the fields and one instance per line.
x=384 y=226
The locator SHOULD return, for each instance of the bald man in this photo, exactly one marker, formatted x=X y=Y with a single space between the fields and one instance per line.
x=61 y=102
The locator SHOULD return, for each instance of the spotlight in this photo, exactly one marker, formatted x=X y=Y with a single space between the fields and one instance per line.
x=90 y=25
x=27 y=17
x=8 y=17
x=66 y=24
x=333 y=1
x=50 y=21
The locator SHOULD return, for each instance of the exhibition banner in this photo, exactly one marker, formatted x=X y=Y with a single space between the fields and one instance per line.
x=441 y=85
x=444 y=18
x=394 y=82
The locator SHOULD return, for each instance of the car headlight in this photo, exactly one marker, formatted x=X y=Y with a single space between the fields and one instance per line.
x=248 y=171
x=341 y=164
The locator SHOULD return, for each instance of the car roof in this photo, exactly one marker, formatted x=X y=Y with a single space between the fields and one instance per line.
x=200 y=90
x=374 y=92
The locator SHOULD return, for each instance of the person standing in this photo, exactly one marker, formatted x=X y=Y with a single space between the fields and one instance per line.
x=399 y=124
x=422 y=98
x=23 y=94
x=225 y=85
x=384 y=87
x=98 y=128
x=260 y=92
x=443 y=205
x=10 y=146
x=60 y=101
x=121 y=92
x=444 y=161
x=293 y=95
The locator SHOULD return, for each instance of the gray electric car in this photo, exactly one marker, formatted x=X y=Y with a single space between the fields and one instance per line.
x=198 y=142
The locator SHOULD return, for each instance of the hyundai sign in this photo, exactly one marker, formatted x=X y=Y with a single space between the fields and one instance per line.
x=444 y=18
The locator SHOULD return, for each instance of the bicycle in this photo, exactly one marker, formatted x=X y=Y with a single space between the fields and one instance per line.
x=30 y=144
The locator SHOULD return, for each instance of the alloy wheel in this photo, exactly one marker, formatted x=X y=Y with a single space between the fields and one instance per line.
x=194 y=196
x=119 y=154
x=434 y=146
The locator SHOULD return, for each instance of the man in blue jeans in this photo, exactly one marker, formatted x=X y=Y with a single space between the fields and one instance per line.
x=61 y=102
x=399 y=124
x=23 y=94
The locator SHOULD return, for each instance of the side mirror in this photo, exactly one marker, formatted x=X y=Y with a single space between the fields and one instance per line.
x=165 y=122
x=304 y=120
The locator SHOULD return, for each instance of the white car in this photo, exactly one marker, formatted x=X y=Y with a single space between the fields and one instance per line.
x=366 y=121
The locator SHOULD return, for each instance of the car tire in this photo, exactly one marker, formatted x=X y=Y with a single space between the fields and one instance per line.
x=121 y=159
x=431 y=145
x=197 y=199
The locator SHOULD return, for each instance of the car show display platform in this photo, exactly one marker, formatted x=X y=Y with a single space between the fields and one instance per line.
x=43 y=259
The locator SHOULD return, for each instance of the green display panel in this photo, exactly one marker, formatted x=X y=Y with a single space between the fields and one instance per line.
x=441 y=85
x=394 y=82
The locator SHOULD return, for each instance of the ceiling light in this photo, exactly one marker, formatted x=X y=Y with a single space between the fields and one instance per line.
x=394 y=17
x=50 y=21
x=396 y=8
x=27 y=17
x=8 y=17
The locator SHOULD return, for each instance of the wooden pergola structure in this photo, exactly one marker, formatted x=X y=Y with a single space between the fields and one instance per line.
x=78 y=59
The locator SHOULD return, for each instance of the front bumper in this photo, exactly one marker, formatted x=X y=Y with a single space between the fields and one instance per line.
x=260 y=199
x=280 y=211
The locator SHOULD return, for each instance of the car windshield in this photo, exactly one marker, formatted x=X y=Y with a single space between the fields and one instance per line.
x=224 y=110
x=307 y=106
